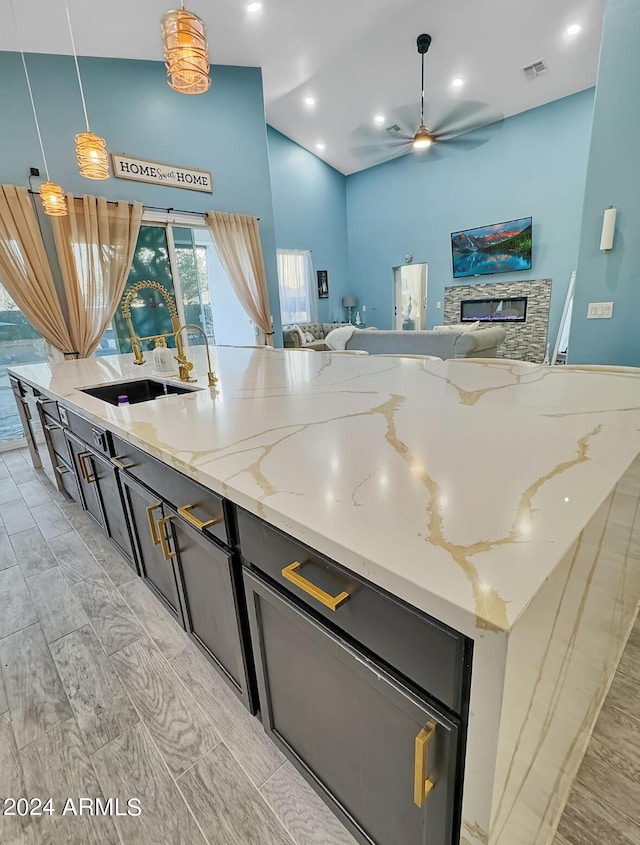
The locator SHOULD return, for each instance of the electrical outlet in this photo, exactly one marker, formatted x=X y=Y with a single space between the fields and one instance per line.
x=600 y=311
x=364 y=309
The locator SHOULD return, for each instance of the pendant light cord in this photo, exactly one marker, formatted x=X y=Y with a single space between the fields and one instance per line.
x=75 y=58
x=26 y=73
x=422 y=101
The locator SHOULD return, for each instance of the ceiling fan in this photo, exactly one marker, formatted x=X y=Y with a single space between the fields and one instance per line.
x=401 y=137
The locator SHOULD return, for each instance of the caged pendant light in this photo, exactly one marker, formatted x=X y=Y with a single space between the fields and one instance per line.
x=53 y=199
x=91 y=149
x=185 y=52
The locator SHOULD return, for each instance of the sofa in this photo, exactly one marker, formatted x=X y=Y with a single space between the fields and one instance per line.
x=293 y=339
x=445 y=342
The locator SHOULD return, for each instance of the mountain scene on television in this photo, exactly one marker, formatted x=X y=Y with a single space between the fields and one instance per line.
x=501 y=248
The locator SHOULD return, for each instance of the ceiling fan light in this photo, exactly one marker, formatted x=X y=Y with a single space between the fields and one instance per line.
x=185 y=52
x=53 y=199
x=92 y=156
x=422 y=139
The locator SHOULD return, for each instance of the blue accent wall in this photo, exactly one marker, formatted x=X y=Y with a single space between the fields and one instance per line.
x=310 y=208
x=132 y=106
x=613 y=178
x=534 y=165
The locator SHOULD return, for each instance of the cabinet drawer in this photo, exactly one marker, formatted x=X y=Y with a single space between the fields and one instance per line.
x=50 y=407
x=54 y=432
x=199 y=507
x=90 y=433
x=436 y=658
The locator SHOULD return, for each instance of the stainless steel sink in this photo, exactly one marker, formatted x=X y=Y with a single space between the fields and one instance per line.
x=137 y=390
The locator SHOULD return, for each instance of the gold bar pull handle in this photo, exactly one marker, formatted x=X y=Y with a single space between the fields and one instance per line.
x=86 y=474
x=118 y=462
x=332 y=602
x=152 y=523
x=422 y=786
x=185 y=513
x=167 y=554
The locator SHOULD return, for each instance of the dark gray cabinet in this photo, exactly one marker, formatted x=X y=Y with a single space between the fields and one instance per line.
x=384 y=759
x=114 y=521
x=100 y=493
x=210 y=583
x=81 y=459
x=156 y=561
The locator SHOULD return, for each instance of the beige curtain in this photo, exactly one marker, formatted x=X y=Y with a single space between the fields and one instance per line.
x=25 y=270
x=237 y=240
x=95 y=245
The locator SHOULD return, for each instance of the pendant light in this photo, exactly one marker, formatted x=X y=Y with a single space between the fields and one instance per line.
x=185 y=52
x=91 y=149
x=53 y=199
x=423 y=138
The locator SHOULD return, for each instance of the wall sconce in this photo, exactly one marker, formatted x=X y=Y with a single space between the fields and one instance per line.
x=608 y=229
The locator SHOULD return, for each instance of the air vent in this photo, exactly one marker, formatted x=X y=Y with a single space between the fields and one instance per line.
x=394 y=128
x=534 y=70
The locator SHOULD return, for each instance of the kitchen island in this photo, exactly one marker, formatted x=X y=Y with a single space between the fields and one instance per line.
x=498 y=501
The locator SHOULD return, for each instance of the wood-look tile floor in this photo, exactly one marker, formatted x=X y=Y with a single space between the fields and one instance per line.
x=103 y=695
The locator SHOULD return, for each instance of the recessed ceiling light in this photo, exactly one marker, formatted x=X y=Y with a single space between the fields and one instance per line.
x=458 y=82
x=254 y=7
x=379 y=119
x=309 y=101
x=574 y=29
x=321 y=146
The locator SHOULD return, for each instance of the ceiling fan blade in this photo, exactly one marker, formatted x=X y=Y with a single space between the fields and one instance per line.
x=465 y=117
x=374 y=154
x=367 y=140
x=407 y=117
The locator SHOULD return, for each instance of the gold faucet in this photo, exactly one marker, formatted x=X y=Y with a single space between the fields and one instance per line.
x=184 y=365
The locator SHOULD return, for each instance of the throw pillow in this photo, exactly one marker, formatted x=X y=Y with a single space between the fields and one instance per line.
x=458 y=328
x=309 y=338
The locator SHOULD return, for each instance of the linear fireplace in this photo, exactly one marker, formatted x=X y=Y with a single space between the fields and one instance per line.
x=494 y=310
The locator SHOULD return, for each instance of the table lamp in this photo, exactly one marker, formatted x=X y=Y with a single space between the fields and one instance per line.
x=349 y=302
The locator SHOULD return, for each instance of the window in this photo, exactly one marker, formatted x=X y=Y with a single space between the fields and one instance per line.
x=20 y=343
x=298 y=301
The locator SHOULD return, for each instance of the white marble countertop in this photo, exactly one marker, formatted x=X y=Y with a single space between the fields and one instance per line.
x=457 y=486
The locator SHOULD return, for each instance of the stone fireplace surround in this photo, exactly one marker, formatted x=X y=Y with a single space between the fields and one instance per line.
x=524 y=341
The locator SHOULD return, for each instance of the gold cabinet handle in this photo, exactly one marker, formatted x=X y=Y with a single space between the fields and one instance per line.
x=152 y=523
x=422 y=786
x=332 y=602
x=185 y=512
x=86 y=475
x=167 y=554
x=118 y=462
x=62 y=470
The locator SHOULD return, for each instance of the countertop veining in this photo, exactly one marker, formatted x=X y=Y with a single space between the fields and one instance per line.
x=457 y=486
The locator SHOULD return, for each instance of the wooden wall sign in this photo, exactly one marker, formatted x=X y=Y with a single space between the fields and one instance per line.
x=157 y=173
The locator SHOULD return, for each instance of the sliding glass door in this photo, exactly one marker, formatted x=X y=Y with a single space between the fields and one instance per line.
x=207 y=296
x=185 y=262
x=20 y=343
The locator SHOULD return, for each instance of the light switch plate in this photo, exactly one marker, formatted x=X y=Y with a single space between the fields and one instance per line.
x=438 y=304
x=600 y=311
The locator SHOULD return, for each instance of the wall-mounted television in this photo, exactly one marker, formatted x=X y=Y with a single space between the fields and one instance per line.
x=501 y=248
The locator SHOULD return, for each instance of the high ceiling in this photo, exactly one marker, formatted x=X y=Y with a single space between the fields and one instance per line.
x=356 y=58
